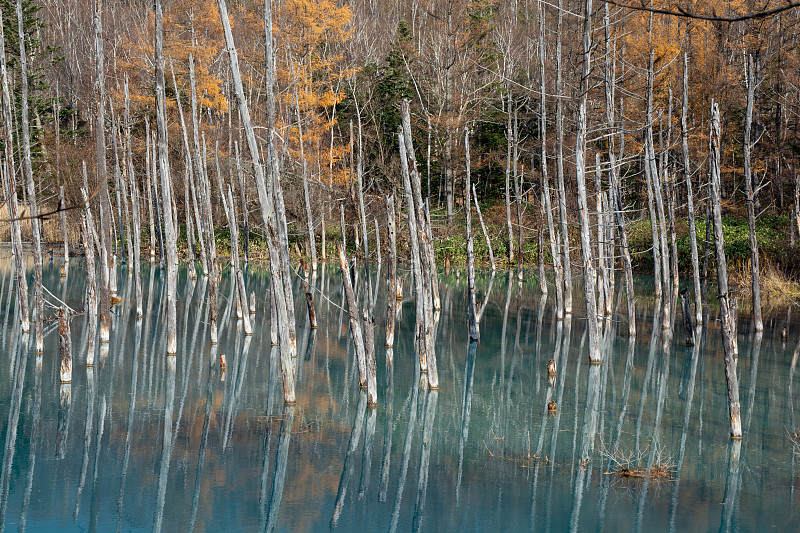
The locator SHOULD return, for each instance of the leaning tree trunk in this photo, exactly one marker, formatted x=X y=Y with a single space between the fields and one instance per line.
x=268 y=213
x=474 y=333
x=27 y=167
x=698 y=295
x=580 y=174
x=749 y=195
x=483 y=229
x=727 y=314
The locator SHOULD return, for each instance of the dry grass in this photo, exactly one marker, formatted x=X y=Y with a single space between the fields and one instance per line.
x=631 y=465
x=777 y=288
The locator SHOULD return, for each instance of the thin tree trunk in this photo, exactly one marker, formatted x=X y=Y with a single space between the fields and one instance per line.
x=474 y=333
x=602 y=283
x=355 y=319
x=698 y=298
x=553 y=233
x=518 y=195
x=87 y=226
x=170 y=234
x=583 y=208
x=149 y=187
x=284 y=307
x=63 y=218
x=312 y=238
x=378 y=240
x=391 y=275
x=483 y=229
x=510 y=140
x=727 y=314
x=562 y=194
x=137 y=227
x=749 y=194
x=342 y=226
x=27 y=167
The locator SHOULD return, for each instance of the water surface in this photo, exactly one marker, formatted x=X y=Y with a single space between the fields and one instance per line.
x=142 y=441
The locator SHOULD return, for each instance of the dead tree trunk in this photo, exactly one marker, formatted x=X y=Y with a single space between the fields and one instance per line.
x=87 y=227
x=483 y=229
x=106 y=257
x=687 y=174
x=11 y=191
x=268 y=213
x=562 y=194
x=63 y=219
x=65 y=342
x=510 y=141
x=554 y=235
x=137 y=226
x=727 y=313
x=391 y=275
x=583 y=207
x=149 y=187
x=474 y=333
x=355 y=319
x=170 y=234
x=752 y=82
x=27 y=167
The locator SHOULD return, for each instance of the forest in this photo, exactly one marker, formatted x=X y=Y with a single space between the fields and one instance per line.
x=241 y=228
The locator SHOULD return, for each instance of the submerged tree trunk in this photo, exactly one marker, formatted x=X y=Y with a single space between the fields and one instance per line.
x=11 y=191
x=27 y=167
x=727 y=306
x=474 y=333
x=698 y=298
x=749 y=195
x=170 y=234
x=268 y=213
x=583 y=207
x=562 y=194
x=391 y=275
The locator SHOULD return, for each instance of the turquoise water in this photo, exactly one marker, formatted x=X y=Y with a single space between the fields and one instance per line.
x=144 y=442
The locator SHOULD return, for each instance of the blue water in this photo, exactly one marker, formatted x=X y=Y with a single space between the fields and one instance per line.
x=144 y=442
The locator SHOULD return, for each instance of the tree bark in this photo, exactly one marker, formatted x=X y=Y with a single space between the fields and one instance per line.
x=687 y=174
x=391 y=275
x=727 y=306
x=170 y=234
x=562 y=194
x=27 y=167
x=580 y=174
x=65 y=343
x=474 y=333
x=749 y=194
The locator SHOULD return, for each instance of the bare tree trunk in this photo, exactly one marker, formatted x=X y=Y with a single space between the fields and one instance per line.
x=483 y=229
x=583 y=208
x=474 y=332
x=137 y=227
x=65 y=342
x=27 y=167
x=752 y=82
x=698 y=298
x=554 y=235
x=149 y=187
x=360 y=187
x=11 y=191
x=428 y=256
x=391 y=275
x=312 y=238
x=510 y=141
x=271 y=219
x=518 y=196
x=562 y=194
x=378 y=241
x=355 y=319
x=728 y=321
x=669 y=190
x=170 y=234
x=602 y=283
x=63 y=219
x=87 y=226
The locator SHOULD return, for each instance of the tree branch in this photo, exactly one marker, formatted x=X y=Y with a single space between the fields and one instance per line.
x=685 y=13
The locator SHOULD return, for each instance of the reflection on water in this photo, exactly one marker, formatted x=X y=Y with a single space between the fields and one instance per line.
x=142 y=441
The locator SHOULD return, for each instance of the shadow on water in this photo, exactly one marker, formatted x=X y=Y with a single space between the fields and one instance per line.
x=143 y=441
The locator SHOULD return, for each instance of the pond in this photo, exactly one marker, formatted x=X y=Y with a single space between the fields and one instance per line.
x=640 y=443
